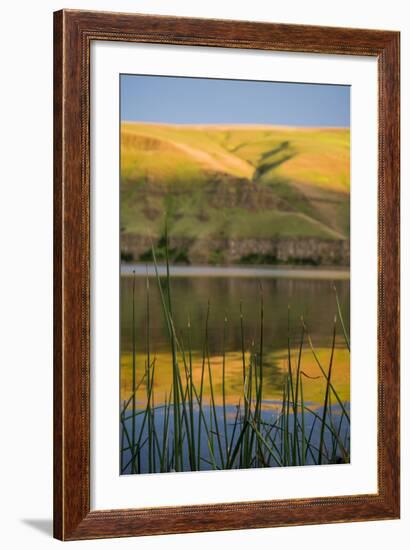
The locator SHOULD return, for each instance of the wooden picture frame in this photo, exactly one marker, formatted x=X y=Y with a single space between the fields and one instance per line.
x=74 y=32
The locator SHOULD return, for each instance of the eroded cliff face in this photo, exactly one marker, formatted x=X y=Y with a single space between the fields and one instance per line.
x=298 y=251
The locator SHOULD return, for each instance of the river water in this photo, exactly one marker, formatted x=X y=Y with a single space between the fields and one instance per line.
x=222 y=295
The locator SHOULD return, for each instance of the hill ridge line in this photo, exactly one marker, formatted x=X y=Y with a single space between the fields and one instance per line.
x=233 y=125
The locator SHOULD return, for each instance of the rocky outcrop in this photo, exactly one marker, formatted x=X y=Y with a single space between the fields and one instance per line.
x=300 y=251
x=291 y=251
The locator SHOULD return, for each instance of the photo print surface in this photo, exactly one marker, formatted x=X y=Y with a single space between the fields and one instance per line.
x=235 y=274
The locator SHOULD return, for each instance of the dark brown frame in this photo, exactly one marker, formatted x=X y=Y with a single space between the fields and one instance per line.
x=73 y=33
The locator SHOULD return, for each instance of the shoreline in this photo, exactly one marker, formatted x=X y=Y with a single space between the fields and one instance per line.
x=262 y=272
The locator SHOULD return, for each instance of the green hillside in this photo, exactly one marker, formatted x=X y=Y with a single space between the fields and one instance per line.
x=232 y=182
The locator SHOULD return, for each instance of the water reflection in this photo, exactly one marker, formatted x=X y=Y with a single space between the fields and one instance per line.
x=314 y=300
x=208 y=309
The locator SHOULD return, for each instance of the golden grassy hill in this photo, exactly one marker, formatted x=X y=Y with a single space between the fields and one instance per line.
x=234 y=181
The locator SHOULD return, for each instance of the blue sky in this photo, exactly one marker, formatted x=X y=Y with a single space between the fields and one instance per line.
x=211 y=101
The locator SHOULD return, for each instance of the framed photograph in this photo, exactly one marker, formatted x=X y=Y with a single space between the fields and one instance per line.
x=226 y=275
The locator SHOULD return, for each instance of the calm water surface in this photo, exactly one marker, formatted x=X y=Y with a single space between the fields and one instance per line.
x=285 y=301
x=312 y=299
x=287 y=296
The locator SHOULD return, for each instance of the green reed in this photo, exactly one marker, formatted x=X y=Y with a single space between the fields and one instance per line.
x=187 y=434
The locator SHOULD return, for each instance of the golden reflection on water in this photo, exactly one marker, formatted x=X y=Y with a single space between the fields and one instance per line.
x=275 y=366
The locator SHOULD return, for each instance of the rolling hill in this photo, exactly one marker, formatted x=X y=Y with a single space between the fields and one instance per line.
x=235 y=193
